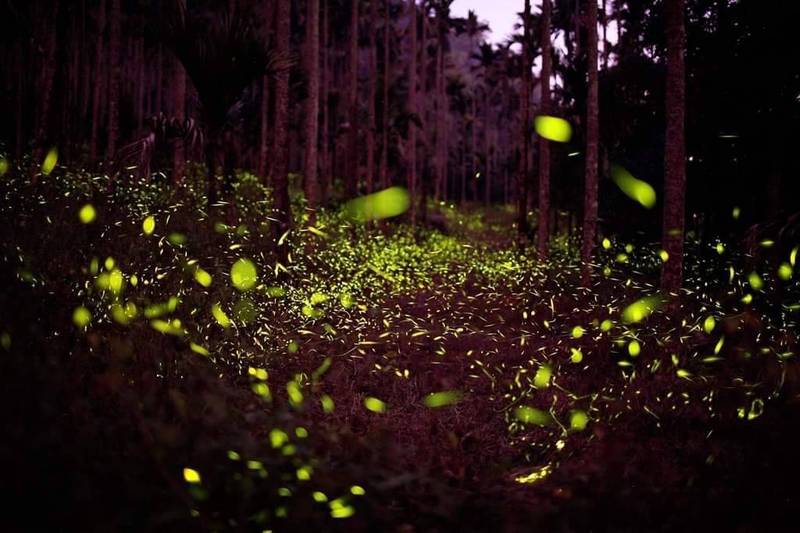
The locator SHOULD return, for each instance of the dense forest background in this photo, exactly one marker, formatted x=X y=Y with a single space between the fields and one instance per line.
x=157 y=85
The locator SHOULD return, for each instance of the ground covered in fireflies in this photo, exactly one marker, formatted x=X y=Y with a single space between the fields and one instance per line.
x=169 y=366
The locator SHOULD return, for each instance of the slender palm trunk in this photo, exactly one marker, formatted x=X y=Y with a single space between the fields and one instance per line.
x=384 y=171
x=325 y=155
x=544 y=144
x=439 y=129
x=179 y=101
x=592 y=144
x=280 y=178
x=99 y=88
x=114 y=78
x=411 y=162
x=312 y=108
x=675 y=149
x=487 y=178
x=606 y=44
x=372 y=95
x=352 y=177
x=473 y=134
x=263 y=164
x=523 y=173
x=46 y=81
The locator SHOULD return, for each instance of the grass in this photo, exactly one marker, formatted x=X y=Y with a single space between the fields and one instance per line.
x=378 y=377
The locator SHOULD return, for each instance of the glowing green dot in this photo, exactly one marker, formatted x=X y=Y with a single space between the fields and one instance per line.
x=532 y=415
x=755 y=281
x=635 y=189
x=196 y=348
x=606 y=325
x=178 y=239
x=578 y=420
x=50 y=161
x=191 y=476
x=553 y=128
x=634 y=348
x=577 y=355
x=709 y=324
x=304 y=473
x=577 y=332
x=785 y=271
x=87 y=214
x=244 y=275
x=292 y=347
x=640 y=309
x=3 y=166
x=220 y=316
x=278 y=437
x=442 y=399
x=149 y=225
x=357 y=490
x=81 y=317
x=375 y=405
x=664 y=255
x=327 y=403
x=542 y=378
x=202 y=277
x=116 y=281
x=388 y=203
x=606 y=244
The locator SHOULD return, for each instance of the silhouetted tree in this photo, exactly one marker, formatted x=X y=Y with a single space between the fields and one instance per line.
x=592 y=143
x=411 y=149
x=114 y=44
x=280 y=178
x=352 y=163
x=523 y=171
x=312 y=108
x=675 y=147
x=544 y=144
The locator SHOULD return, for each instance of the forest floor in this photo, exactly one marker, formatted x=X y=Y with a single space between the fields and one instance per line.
x=379 y=378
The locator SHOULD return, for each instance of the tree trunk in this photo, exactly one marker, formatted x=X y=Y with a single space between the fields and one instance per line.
x=352 y=177
x=372 y=95
x=385 y=101
x=46 y=80
x=263 y=165
x=280 y=178
x=411 y=160
x=606 y=44
x=524 y=171
x=312 y=109
x=441 y=102
x=20 y=143
x=487 y=174
x=159 y=107
x=179 y=101
x=114 y=79
x=592 y=143
x=263 y=137
x=139 y=78
x=675 y=148
x=325 y=157
x=544 y=144
x=99 y=89
x=473 y=136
